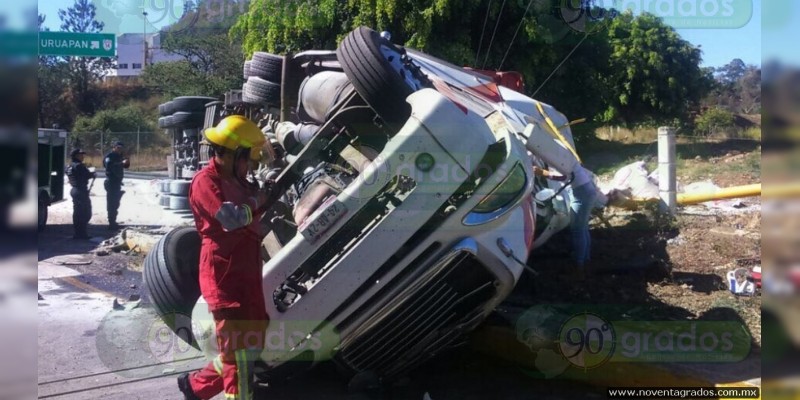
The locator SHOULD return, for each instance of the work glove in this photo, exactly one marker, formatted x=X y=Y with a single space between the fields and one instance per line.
x=232 y=216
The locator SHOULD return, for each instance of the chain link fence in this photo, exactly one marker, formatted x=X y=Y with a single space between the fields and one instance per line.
x=147 y=151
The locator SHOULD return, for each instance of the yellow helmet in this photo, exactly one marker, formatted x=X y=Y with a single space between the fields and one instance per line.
x=237 y=131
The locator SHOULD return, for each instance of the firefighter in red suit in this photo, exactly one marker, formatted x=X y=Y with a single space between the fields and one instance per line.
x=226 y=210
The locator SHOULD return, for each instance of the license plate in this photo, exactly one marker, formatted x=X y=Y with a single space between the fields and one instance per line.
x=321 y=220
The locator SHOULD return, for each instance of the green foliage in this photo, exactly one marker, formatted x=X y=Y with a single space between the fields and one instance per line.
x=737 y=88
x=212 y=63
x=714 y=120
x=129 y=118
x=630 y=70
x=53 y=86
x=752 y=133
x=83 y=72
x=181 y=78
x=655 y=75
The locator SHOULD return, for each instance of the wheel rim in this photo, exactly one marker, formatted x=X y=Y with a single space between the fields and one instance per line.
x=398 y=64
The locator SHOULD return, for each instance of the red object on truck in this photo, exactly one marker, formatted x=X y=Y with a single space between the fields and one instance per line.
x=510 y=79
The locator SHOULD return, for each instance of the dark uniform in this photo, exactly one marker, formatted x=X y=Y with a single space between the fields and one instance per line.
x=79 y=176
x=114 y=163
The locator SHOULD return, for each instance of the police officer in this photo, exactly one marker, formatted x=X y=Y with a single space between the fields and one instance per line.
x=114 y=163
x=78 y=176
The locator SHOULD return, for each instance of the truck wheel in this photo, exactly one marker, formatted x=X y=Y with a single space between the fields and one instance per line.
x=171 y=276
x=266 y=66
x=168 y=123
x=380 y=73
x=260 y=91
x=166 y=108
x=184 y=119
x=178 y=203
x=179 y=188
x=191 y=103
x=246 y=69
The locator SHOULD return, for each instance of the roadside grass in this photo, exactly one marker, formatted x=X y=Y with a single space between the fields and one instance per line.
x=691 y=170
x=153 y=159
x=605 y=157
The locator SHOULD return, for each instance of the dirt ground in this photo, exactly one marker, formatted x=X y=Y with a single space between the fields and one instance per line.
x=664 y=269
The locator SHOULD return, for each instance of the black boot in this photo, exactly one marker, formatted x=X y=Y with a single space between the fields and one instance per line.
x=112 y=222
x=80 y=232
x=186 y=388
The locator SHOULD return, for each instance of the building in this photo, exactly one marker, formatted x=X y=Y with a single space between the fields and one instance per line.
x=131 y=54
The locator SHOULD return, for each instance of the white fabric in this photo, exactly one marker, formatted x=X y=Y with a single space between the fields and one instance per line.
x=634 y=177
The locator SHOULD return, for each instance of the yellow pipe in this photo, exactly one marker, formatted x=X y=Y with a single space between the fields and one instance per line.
x=719 y=194
x=782 y=191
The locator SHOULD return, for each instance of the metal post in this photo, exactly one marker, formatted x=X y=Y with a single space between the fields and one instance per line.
x=666 y=169
x=102 y=141
x=137 y=141
x=144 y=39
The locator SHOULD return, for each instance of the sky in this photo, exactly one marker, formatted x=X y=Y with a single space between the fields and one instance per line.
x=719 y=45
x=781 y=31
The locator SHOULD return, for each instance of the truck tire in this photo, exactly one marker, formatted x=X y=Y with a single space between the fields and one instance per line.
x=171 y=276
x=166 y=108
x=179 y=187
x=261 y=91
x=167 y=124
x=266 y=66
x=178 y=203
x=246 y=69
x=375 y=67
x=191 y=103
x=182 y=119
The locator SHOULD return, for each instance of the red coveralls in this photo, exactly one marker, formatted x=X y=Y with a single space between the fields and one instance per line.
x=230 y=280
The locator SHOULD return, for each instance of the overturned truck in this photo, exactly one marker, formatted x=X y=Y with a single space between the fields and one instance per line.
x=408 y=213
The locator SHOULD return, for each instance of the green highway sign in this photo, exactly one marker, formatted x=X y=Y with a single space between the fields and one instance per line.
x=77 y=44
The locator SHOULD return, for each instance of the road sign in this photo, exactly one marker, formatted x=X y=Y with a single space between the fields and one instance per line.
x=77 y=44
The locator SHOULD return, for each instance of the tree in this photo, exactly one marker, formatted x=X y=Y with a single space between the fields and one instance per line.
x=83 y=71
x=212 y=62
x=129 y=118
x=53 y=82
x=179 y=78
x=731 y=72
x=737 y=88
x=654 y=75
x=635 y=70
x=714 y=120
x=749 y=88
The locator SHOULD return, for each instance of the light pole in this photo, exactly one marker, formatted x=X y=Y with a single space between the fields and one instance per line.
x=144 y=38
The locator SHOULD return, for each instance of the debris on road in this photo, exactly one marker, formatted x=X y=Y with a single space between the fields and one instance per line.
x=127 y=306
x=741 y=282
x=139 y=241
x=68 y=263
